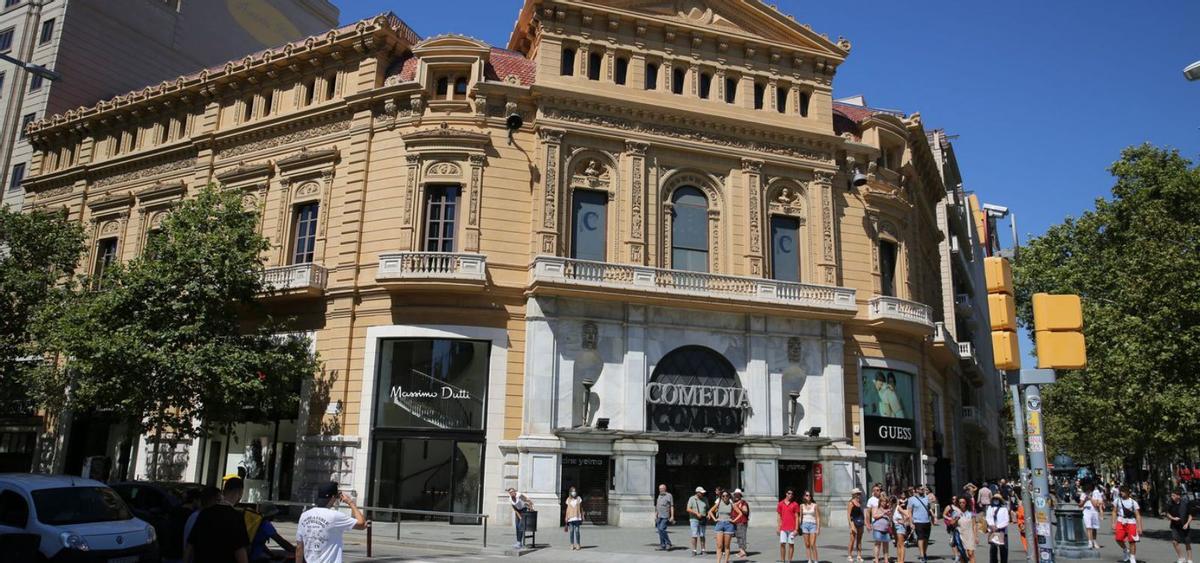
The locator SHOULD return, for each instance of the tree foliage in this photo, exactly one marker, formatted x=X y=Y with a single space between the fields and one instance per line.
x=37 y=251
x=176 y=335
x=1135 y=261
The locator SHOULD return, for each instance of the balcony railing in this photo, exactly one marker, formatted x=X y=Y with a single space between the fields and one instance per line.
x=883 y=307
x=966 y=351
x=431 y=266
x=700 y=284
x=941 y=335
x=308 y=277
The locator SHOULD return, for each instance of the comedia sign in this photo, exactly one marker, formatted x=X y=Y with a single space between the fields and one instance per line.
x=678 y=394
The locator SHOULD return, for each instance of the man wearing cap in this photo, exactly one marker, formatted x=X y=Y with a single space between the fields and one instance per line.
x=697 y=508
x=320 y=531
x=741 y=521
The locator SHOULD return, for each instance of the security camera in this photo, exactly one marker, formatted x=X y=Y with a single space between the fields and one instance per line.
x=513 y=123
x=1192 y=72
x=995 y=210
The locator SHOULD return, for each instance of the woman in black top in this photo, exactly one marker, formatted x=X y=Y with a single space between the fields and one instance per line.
x=854 y=517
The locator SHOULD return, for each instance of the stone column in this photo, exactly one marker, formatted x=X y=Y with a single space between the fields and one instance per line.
x=636 y=243
x=547 y=227
x=760 y=475
x=822 y=187
x=633 y=415
x=631 y=503
x=757 y=381
x=752 y=173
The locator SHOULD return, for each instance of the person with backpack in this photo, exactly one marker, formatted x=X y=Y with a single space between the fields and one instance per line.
x=1127 y=524
x=998 y=517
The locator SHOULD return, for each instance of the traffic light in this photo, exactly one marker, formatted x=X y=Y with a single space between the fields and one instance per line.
x=1002 y=311
x=1058 y=331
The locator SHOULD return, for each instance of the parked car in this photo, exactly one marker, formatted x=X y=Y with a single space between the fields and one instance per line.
x=76 y=519
x=162 y=505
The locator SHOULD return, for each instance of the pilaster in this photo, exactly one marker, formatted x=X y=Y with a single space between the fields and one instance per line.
x=632 y=500
x=636 y=241
x=547 y=228
x=752 y=174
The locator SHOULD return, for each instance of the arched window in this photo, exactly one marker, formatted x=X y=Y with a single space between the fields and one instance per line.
x=705 y=85
x=689 y=230
x=460 y=88
x=651 y=76
x=568 y=62
x=589 y=225
x=677 y=76
x=620 y=70
x=594 y=60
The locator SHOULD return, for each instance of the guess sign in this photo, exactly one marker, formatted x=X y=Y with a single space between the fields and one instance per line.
x=885 y=431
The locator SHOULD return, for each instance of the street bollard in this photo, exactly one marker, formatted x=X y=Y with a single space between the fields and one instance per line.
x=368 y=538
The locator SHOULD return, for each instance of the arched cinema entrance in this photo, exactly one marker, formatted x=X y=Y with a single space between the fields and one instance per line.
x=695 y=406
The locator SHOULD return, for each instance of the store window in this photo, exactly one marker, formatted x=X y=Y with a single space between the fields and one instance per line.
x=889 y=420
x=432 y=383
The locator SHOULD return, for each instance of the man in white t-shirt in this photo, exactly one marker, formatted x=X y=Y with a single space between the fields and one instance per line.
x=1092 y=504
x=1127 y=523
x=873 y=502
x=319 y=533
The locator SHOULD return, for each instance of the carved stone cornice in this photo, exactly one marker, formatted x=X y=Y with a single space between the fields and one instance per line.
x=245 y=171
x=161 y=190
x=751 y=165
x=305 y=157
x=446 y=137
x=284 y=134
x=636 y=148
x=110 y=203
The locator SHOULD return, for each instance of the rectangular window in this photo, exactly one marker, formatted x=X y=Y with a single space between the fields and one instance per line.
x=47 y=32
x=759 y=95
x=106 y=253
x=589 y=217
x=304 y=242
x=441 y=214
x=651 y=76
x=331 y=85
x=804 y=98
x=677 y=77
x=620 y=70
x=25 y=121
x=781 y=95
x=731 y=86
x=18 y=176
x=310 y=89
x=785 y=248
x=887 y=268
x=705 y=85
x=594 y=61
x=35 y=83
x=1 y=84
x=268 y=101
x=567 y=64
x=247 y=108
x=11 y=3
x=6 y=39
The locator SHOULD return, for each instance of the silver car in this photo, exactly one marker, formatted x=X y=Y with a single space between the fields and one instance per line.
x=73 y=519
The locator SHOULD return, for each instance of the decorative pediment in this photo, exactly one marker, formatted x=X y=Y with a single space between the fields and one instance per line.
x=112 y=202
x=444 y=138
x=244 y=172
x=746 y=19
x=161 y=190
x=306 y=157
x=451 y=44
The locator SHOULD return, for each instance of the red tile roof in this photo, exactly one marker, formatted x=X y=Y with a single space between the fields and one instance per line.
x=854 y=113
x=501 y=64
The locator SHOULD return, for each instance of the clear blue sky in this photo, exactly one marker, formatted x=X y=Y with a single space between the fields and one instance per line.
x=1043 y=94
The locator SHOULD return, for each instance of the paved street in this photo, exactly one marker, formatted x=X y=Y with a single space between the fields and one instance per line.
x=605 y=544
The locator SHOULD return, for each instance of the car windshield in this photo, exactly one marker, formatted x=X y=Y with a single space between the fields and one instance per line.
x=79 y=505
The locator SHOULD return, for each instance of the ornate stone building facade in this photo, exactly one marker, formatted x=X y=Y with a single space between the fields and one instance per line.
x=641 y=244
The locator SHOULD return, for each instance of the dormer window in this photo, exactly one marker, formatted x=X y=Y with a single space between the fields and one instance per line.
x=452 y=87
x=460 y=88
x=443 y=86
x=567 y=67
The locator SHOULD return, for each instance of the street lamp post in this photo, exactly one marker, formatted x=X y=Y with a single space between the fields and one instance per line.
x=36 y=69
x=1192 y=72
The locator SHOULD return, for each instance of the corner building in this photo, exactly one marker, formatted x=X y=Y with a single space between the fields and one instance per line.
x=641 y=244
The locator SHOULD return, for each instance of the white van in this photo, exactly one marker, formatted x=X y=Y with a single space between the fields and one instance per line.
x=77 y=519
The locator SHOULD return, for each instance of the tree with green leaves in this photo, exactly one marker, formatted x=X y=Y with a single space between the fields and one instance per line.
x=176 y=336
x=1135 y=261
x=38 y=250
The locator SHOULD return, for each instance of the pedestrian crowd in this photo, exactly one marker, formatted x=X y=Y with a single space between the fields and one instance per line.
x=210 y=527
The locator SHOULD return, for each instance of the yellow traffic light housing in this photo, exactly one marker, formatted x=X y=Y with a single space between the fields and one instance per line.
x=1058 y=331
x=1002 y=311
x=997 y=273
x=1006 y=350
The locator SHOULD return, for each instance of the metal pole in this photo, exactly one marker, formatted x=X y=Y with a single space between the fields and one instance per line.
x=1041 y=480
x=485 y=531
x=1012 y=224
x=1014 y=387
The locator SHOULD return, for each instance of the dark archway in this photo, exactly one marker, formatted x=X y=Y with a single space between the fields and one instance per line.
x=695 y=366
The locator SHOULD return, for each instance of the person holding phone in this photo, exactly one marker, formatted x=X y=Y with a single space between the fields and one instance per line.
x=321 y=529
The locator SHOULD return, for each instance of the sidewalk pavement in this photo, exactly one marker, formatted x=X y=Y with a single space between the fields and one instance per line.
x=602 y=544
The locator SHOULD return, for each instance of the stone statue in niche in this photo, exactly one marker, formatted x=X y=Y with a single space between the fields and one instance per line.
x=787 y=197
x=590 y=335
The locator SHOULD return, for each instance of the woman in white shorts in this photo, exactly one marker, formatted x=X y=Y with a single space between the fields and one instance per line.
x=810 y=526
x=1091 y=518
